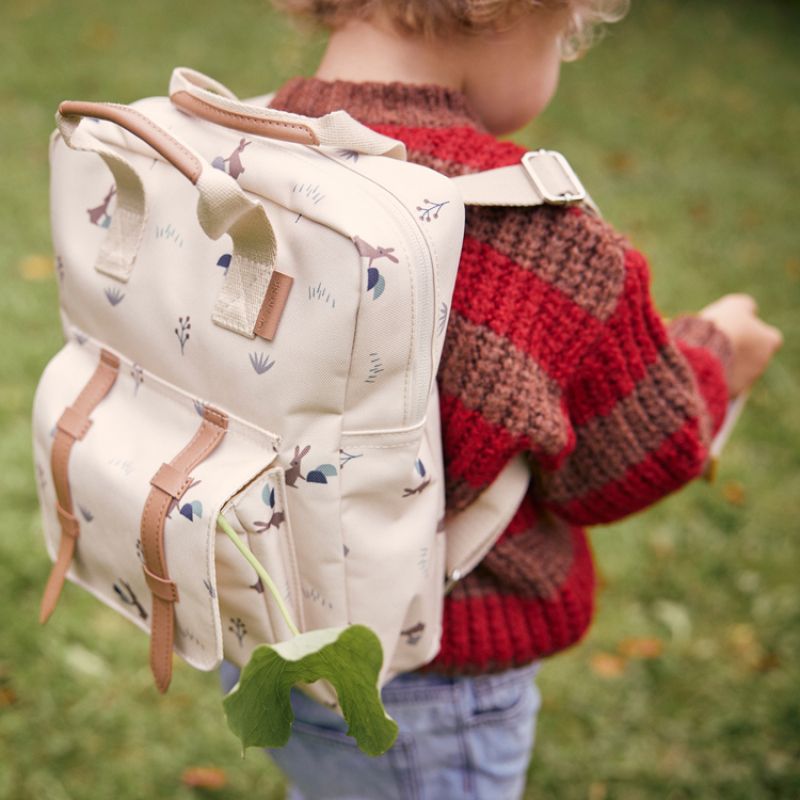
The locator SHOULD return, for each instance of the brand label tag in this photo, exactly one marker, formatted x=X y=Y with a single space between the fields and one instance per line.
x=274 y=301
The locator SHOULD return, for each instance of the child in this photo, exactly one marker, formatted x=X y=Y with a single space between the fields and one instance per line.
x=553 y=348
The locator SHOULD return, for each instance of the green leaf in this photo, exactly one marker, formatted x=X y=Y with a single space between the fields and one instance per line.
x=258 y=708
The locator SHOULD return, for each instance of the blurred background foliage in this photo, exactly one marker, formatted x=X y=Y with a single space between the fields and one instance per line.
x=684 y=123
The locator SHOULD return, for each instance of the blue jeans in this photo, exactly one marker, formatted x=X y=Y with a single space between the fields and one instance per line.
x=460 y=739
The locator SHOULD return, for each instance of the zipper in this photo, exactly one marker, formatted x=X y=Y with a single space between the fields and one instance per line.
x=425 y=292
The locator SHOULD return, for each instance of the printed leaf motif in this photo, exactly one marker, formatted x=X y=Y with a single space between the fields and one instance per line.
x=442 y=327
x=258 y=708
x=321 y=473
x=192 y=510
x=268 y=495
x=261 y=363
x=430 y=210
x=372 y=278
x=114 y=296
x=183 y=334
x=224 y=261
x=420 y=468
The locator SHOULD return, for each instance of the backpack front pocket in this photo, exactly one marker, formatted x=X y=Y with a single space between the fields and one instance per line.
x=250 y=613
x=132 y=474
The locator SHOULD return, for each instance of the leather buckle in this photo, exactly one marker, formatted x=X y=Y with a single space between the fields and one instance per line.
x=553 y=177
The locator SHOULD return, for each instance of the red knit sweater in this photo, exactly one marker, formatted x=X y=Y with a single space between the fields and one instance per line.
x=554 y=349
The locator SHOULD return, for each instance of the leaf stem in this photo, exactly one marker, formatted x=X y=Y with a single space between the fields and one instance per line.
x=262 y=573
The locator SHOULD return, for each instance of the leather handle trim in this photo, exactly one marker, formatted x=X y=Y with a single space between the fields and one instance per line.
x=245 y=123
x=75 y=419
x=165 y=489
x=139 y=125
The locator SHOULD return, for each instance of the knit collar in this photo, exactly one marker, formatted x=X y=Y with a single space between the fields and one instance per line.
x=409 y=105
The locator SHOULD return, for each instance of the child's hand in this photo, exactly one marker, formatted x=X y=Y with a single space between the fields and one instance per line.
x=753 y=341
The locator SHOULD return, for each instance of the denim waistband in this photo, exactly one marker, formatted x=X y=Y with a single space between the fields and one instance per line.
x=421 y=686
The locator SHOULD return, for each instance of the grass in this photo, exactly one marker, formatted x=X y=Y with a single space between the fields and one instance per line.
x=684 y=125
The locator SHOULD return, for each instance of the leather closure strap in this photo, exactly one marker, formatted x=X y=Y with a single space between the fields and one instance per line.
x=166 y=486
x=72 y=426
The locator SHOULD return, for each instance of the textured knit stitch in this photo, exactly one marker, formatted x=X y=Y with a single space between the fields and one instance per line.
x=553 y=349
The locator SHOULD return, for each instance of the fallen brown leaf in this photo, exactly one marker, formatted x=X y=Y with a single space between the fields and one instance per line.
x=733 y=492
x=598 y=791
x=645 y=648
x=700 y=212
x=36 y=267
x=768 y=662
x=7 y=696
x=621 y=162
x=204 y=777
x=607 y=665
x=662 y=545
x=744 y=641
x=101 y=36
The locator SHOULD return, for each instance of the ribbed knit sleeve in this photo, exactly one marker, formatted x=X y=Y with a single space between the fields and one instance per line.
x=643 y=404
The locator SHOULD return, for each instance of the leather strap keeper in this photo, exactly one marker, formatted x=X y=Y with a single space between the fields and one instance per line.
x=167 y=485
x=171 y=480
x=72 y=427
x=161 y=588
x=69 y=522
x=73 y=423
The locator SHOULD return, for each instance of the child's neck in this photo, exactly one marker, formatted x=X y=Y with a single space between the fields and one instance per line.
x=362 y=51
x=508 y=76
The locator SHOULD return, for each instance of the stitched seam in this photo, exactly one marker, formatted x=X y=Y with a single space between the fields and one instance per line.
x=258 y=120
x=296 y=588
x=159 y=131
x=463 y=745
x=387 y=446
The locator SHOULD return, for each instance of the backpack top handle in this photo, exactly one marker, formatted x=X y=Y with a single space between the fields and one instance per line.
x=207 y=99
x=138 y=124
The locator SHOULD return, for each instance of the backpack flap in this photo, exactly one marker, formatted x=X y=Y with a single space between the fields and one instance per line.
x=147 y=471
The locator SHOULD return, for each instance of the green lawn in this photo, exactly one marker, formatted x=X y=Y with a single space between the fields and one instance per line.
x=684 y=125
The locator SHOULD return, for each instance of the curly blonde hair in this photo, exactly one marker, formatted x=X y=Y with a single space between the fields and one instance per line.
x=442 y=17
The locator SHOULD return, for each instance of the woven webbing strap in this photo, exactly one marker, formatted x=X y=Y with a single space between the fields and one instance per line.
x=72 y=426
x=167 y=486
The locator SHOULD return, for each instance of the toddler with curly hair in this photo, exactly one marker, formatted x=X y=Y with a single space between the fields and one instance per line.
x=553 y=349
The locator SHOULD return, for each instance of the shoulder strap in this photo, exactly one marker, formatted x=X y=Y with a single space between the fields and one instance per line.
x=472 y=533
x=541 y=177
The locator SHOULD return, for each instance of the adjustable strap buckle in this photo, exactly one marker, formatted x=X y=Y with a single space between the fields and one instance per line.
x=553 y=177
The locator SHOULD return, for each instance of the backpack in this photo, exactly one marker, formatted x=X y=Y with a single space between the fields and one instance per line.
x=254 y=305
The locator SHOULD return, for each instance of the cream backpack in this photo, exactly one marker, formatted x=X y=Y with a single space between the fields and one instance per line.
x=254 y=306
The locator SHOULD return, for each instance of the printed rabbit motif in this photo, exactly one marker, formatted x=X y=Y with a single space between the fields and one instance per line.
x=233 y=163
x=366 y=250
x=99 y=215
x=293 y=473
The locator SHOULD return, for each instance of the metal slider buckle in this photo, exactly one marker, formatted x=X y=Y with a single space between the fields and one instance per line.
x=538 y=163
